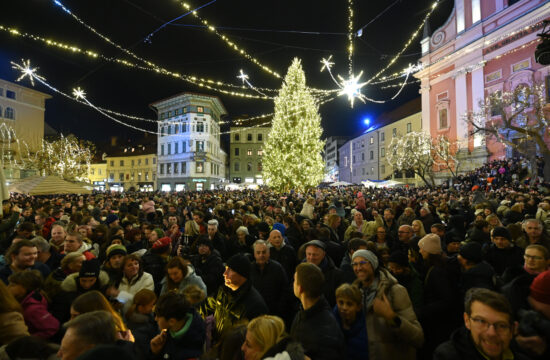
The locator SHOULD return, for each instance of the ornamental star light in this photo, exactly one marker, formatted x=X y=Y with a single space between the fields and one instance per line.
x=243 y=77
x=327 y=64
x=79 y=93
x=352 y=88
x=26 y=70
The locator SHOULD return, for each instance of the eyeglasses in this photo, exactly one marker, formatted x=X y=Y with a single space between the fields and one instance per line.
x=403 y=232
x=500 y=327
x=360 y=263
x=533 y=257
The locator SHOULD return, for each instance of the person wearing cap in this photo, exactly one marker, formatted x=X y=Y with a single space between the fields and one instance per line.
x=156 y=258
x=112 y=221
x=406 y=275
x=208 y=265
x=113 y=263
x=487 y=332
x=502 y=253
x=314 y=326
x=438 y=295
x=315 y=252
x=475 y=273
x=237 y=300
x=216 y=237
x=392 y=327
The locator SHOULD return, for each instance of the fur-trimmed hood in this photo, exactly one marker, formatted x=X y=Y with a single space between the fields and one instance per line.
x=69 y=284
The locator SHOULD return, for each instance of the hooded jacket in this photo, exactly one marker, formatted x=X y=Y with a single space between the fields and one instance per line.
x=39 y=321
x=190 y=279
x=137 y=283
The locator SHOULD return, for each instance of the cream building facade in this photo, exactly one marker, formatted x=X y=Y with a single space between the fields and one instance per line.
x=246 y=152
x=132 y=170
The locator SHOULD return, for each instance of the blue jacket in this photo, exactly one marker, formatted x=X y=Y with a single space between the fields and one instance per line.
x=188 y=345
x=357 y=342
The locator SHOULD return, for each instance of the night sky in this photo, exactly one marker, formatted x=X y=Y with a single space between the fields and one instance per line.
x=271 y=30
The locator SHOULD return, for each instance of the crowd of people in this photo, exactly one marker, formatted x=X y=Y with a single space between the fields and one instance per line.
x=452 y=272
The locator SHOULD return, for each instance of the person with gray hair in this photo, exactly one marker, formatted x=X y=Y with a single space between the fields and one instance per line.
x=533 y=233
x=393 y=329
x=45 y=256
x=217 y=238
x=85 y=332
x=241 y=242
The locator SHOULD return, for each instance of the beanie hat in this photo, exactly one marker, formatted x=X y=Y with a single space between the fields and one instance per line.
x=162 y=242
x=502 y=231
x=240 y=264
x=317 y=243
x=431 y=243
x=160 y=232
x=540 y=288
x=204 y=240
x=263 y=227
x=90 y=268
x=111 y=218
x=280 y=227
x=367 y=254
x=471 y=251
x=115 y=249
x=399 y=258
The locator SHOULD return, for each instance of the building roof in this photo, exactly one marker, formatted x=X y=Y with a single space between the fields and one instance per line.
x=44 y=95
x=241 y=121
x=189 y=93
x=407 y=109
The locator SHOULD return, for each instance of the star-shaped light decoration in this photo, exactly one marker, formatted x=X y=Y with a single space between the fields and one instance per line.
x=243 y=77
x=327 y=64
x=79 y=93
x=27 y=70
x=351 y=87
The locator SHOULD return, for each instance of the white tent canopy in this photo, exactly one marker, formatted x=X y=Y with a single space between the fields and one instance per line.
x=340 y=183
x=47 y=185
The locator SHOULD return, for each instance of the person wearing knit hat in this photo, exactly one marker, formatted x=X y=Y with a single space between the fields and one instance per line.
x=113 y=265
x=390 y=313
x=502 y=253
x=162 y=243
x=237 y=300
x=471 y=252
x=475 y=271
x=539 y=296
x=430 y=244
x=398 y=265
x=112 y=220
x=154 y=235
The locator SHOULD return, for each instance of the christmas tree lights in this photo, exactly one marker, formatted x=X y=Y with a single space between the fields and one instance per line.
x=292 y=157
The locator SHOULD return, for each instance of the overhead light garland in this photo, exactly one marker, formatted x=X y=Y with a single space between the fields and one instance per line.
x=350 y=40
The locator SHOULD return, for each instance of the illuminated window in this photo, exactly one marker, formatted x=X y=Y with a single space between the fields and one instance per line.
x=200 y=109
x=249 y=152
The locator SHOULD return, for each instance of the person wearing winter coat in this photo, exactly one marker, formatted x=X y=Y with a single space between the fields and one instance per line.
x=155 y=260
x=308 y=209
x=74 y=243
x=11 y=317
x=475 y=273
x=208 y=265
x=502 y=253
x=487 y=332
x=349 y=315
x=25 y=287
x=283 y=253
x=179 y=275
x=367 y=228
x=392 y=327
x=134 y=278
x=314 y=326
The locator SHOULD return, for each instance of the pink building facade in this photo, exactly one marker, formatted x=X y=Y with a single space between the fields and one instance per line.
x=485 y=46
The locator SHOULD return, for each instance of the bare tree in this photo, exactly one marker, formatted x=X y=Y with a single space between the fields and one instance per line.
x=516 y=119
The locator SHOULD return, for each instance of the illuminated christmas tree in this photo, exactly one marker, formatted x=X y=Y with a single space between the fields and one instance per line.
x=293 y=148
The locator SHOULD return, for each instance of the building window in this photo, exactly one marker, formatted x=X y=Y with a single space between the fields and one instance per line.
x=183 y=167
x=354 y=159
x=372 y=171
x=183 y=148
x=1 y=111
x=121 y=162
x=443 y=122
x=237 y=137
x=249 y=166
x=92 y=171
x=1 y=92
x=161 y=170
x=362 y=156
x=99 y=171
x=121 y=177
x=200 y=109
x=200 y=145
x=521 y=65
x=249 y=137
x=260 y=166
x=112 y=163
x=199 y=167
x=176 y=150
x=9 y=113
x=372 y=155
x=260 y=137
x=363 y=171
x=146 y=175
x=383 y=152
x=168 y=168
x=200 y=127
x=146 y=161
x=112 y=176
x=10 y=94
x=249 y=152
x=260 y=152
x=169 y=149
x=175 y=168
x=409 y=128
x=154 y=161
x=139 y=162
x=371 y=140
x=383 y=169
x=162 y=149
x=237 y=152
x=394 y=132
x=382 y=136
x=237 y=166
x=132 y=162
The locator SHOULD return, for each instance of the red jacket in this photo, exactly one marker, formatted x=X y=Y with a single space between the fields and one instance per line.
x=37 y=317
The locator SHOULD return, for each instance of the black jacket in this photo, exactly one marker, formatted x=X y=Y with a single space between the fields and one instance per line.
x=334 y=277
x=286 y=256
x=318 y=332
x=210 y=269
x=155 y=265
x=188 y=345
x=461 y=347
x=501 y=259
x=480 y=276
x=272 y=284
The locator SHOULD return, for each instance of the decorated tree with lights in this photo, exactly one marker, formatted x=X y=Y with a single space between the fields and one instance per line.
x=67 y=157
x=413 y=152
x=293 y=148
x=518 y=119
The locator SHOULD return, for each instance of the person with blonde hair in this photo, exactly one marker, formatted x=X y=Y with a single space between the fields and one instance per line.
x=418 y=228
x=266 y=338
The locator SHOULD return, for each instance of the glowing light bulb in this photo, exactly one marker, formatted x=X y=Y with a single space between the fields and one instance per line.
x=26 y=71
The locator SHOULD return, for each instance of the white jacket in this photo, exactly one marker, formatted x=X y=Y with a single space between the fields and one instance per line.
x=134 y=285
